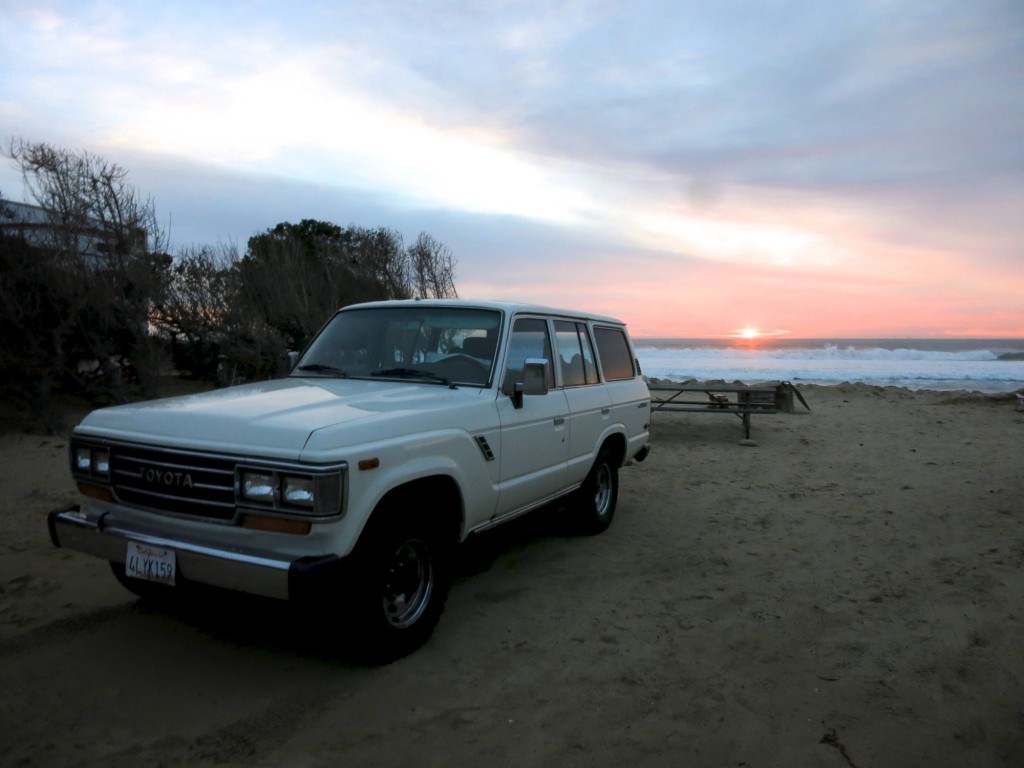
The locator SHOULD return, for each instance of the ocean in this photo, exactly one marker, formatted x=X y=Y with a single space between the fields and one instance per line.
x=980 y=365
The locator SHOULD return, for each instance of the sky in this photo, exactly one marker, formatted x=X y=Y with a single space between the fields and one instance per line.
x=817 y=169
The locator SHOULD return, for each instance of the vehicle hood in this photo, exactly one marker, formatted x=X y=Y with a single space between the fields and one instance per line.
x=273 y=418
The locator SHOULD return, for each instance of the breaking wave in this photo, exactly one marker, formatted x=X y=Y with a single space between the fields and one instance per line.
x=928 y=364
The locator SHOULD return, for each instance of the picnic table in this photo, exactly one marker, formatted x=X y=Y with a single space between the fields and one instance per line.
x=740 y=400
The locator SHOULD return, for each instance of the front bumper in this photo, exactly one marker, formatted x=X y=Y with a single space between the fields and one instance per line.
x=259 y=573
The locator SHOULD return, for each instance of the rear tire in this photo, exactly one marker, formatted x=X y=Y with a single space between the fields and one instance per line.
x=399 y=584
x=594 y=503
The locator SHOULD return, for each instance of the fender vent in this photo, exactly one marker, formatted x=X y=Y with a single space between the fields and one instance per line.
x=485 y=448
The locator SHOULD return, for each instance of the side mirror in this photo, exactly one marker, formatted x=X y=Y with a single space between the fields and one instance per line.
x=293 y=358
x=535 y=380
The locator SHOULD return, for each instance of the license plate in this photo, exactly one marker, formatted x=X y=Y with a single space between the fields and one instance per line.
x=150 y=563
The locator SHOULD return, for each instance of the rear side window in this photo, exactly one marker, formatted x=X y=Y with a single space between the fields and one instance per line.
x=613 y=349
x=576 y=356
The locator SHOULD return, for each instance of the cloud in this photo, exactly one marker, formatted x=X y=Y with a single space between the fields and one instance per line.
x=598 y=151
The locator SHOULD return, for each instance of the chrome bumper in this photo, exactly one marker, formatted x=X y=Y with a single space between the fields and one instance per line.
x=257 y=573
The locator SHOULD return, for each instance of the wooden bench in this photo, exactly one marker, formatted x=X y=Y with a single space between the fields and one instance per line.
x=738 y=400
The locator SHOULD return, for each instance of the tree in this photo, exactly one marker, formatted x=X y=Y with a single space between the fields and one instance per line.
x=294 y=276
x=89 y=200
x=433 y=268
x=194 y=311
x=80 y=282
x=83 y=285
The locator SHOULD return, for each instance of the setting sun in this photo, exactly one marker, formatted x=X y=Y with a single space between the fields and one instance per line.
x=751 y=334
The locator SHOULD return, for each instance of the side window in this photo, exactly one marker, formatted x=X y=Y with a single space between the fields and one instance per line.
x=616 y=360
x=529 y=339
x=575 y=353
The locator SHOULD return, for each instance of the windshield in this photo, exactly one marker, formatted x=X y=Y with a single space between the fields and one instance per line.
x=445 y=345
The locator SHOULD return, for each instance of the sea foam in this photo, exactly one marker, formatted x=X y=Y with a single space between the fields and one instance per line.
x=927 y=364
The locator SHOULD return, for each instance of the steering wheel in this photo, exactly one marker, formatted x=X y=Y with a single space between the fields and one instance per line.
x=463 y=367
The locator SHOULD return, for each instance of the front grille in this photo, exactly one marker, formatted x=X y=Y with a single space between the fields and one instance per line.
x=180 y=482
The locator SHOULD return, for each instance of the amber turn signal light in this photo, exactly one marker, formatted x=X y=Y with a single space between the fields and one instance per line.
x=276 y=524
x=95 y=491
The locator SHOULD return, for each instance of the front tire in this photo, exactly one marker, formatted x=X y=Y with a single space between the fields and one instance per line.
x=400 y=582
x=595 y=501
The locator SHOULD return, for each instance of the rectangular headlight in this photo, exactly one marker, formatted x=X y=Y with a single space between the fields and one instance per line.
x=321 y=494
x=101 y=461
x=258 y=486
x=298 y=490
x=82 y=460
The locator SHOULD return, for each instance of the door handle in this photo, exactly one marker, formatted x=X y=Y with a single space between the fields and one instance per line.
x=559 y=421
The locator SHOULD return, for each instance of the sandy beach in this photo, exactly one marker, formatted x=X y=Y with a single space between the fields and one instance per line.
x=847 y=592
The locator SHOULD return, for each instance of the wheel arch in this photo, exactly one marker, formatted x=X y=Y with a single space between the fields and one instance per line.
x=444 y=495
x=615 y=443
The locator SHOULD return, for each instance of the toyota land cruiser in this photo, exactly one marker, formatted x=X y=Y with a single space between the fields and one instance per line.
x=402 y=429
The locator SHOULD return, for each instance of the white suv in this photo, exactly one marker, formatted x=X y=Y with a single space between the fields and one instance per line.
x=403 y=428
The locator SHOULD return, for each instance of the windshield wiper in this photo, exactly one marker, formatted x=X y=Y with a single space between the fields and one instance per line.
x=321 y=368
x=413 y=373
